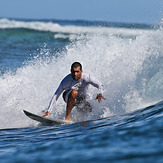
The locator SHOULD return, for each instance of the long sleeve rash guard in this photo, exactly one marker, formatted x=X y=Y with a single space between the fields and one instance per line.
x=68 y=83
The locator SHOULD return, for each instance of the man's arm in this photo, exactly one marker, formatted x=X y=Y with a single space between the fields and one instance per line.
x=54 y=100
x=98 y=85
x=99 y=97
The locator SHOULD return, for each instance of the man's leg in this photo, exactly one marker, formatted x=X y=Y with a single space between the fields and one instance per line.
x=70 y=103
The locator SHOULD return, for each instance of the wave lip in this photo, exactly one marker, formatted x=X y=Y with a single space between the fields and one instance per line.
x=57 y=28
x=122 y=63
x=41 y=26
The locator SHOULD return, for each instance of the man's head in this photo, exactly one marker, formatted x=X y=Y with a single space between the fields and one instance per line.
x=76 y=70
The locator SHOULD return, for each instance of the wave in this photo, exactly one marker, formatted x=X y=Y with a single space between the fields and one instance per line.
x=57 y=28
x=95 y=138
x=130 y=68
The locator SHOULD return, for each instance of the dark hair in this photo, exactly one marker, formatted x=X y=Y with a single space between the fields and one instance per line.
x=76 y=64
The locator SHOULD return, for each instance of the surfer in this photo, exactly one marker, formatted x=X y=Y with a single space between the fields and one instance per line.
x=75 y=87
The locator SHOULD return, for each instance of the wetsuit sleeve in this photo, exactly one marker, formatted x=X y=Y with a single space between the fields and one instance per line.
x=55 y=97
x=96 y=83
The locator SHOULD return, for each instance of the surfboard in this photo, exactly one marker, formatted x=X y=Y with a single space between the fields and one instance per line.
x=45 y=120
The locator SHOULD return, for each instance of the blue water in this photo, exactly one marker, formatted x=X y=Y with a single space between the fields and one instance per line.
x=127 y=127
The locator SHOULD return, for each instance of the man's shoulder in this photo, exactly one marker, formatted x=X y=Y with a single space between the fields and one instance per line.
x=89 y=77
x=67 y=78
x=85 y=76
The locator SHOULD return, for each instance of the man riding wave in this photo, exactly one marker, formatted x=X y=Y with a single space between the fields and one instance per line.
x=75 y=86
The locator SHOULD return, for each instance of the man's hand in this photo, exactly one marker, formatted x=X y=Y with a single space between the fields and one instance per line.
x=45 y=114
x=99 y=97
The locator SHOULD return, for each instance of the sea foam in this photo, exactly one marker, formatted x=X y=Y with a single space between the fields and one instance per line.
x=127 y=61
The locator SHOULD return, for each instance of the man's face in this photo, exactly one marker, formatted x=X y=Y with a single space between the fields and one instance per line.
x=76 y=73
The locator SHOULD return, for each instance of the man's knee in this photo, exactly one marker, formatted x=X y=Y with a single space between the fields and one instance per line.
x=74 y=94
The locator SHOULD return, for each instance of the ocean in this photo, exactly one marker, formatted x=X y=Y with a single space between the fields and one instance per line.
x=35 y=55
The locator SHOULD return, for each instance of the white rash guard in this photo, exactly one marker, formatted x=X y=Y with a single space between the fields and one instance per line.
x=68 y=83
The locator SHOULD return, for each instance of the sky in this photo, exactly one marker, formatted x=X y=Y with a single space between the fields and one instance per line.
x=123 y=11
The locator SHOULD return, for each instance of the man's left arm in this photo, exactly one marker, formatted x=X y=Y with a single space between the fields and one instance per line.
x=96 y=83
x=99 y=97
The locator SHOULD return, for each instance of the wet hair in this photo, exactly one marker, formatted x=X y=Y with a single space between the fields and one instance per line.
x=76 y=64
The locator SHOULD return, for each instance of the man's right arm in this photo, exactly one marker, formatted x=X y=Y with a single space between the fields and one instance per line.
x=63 y=85
x=54 y=100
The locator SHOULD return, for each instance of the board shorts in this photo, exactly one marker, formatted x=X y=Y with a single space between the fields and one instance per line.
x=66 y=94
x=80 y=102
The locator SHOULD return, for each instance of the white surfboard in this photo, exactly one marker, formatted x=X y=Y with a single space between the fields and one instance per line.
x=45 y=120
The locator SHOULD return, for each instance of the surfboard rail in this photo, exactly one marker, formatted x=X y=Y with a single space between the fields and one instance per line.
x=46 y=120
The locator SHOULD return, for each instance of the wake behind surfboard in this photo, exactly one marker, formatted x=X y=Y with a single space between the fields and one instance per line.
x=45 y=120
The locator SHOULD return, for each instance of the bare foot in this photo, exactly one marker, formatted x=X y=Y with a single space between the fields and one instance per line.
x=45 y=114
x=68 y=119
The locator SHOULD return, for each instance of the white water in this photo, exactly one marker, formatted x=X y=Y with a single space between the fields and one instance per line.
x=54 y=27
x=130 y=69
